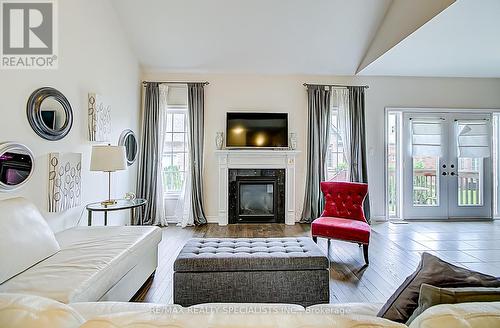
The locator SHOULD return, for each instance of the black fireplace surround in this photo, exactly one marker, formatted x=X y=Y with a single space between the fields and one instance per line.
x=256 y=196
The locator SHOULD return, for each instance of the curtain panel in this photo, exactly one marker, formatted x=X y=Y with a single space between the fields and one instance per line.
x=357 y=146
x=318 y=103
x=149 y=177
x=196 y=107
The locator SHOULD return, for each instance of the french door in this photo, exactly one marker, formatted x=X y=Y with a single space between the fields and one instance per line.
x=447 y=167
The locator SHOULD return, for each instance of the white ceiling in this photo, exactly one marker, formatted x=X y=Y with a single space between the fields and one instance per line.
x=325 y=37
x=251 y=36
x=462 y=41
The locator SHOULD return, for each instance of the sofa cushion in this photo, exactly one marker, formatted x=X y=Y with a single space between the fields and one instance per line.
x=464 y=315
x=368 y=309
x=90 y=262
x=240 y=319
x=29 y=311
x=26 y=238
x=254 y=254
x=344 y=229
x=430 y=296
x=433 y=271
x=89 y=310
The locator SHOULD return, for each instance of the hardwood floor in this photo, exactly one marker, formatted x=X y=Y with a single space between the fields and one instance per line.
x=394 y=254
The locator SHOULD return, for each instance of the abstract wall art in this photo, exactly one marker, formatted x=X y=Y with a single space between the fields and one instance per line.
x=65 y=181
x=99 y=113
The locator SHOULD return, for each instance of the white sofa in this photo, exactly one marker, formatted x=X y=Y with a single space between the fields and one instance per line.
x=27 y=311
x=81 y=264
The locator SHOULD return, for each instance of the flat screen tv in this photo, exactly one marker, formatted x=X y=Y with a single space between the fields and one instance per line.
x=256 y=130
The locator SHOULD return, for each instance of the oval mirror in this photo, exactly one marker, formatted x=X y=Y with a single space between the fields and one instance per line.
x=129 y=140
x=49 y=113
x=16 y=165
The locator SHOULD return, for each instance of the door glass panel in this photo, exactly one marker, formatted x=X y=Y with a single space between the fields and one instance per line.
x=470 y=182
x=392 y=161
x=425 y=181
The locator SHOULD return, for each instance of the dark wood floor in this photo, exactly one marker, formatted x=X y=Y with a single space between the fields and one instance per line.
x=395 y=250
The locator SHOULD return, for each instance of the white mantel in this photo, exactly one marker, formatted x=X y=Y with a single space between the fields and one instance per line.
x=256 y=159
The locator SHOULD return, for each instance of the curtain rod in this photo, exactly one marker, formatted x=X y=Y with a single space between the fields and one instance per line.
x=335 y=85
x=175 y=82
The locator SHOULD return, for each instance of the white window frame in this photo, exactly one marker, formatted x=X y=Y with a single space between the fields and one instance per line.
x=177 y=109
x=338 y=154
x=398 y=167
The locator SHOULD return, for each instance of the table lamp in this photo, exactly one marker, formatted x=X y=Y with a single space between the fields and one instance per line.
x=108 y=159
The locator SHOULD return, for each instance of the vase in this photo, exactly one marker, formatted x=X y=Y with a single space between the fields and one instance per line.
x=219 y=140
x=293 y=141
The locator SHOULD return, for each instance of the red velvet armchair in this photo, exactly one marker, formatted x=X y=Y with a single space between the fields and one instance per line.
x=343 y=217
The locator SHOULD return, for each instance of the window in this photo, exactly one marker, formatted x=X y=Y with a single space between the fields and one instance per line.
x=393 y=163
x=336 y=160
x=175 y=151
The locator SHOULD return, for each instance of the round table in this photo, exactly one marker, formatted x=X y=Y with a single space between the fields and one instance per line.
x=121 y=204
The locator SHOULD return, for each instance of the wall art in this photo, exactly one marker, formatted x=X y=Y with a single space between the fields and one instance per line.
x=99 y=113
x=65 y=181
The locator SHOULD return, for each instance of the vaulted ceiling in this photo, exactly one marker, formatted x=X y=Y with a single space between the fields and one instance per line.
x=327 y=37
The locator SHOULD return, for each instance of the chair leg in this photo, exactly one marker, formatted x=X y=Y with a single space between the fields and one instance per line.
x=365 y=253
x=315 y=239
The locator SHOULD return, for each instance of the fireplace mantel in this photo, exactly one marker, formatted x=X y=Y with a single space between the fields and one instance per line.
x=256 y=159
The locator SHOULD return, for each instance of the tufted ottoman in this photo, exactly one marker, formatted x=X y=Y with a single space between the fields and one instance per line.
x=256 y=270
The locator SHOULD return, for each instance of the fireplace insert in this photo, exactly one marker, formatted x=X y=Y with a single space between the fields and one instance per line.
x=257 y=196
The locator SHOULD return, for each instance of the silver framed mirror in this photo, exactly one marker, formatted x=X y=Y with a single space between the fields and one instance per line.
x=17 y=164
x=129 y=140
x=49 y=113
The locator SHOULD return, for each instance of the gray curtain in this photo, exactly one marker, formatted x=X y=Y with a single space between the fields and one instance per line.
x=357 y=145
x=318 y=103
x=148 y=178
x=196 y=104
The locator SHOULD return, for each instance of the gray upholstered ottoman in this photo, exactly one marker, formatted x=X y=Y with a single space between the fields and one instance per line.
x=256 y=270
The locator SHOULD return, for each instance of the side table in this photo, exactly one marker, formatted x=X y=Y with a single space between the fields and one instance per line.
x=121 y=204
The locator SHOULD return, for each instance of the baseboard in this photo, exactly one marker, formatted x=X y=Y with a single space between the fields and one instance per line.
x=212 y=219
x=379 y=219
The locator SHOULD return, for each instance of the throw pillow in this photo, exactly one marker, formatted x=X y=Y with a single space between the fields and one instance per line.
x=431 y=295
x=434 y=271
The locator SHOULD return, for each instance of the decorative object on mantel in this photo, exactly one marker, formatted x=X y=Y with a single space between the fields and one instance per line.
x=16 y=165
x=49 y=113
x=129 y=140
x=219 y=140
x=65 y=184
x=99 y=113
x=293 y=141
x=108 y=159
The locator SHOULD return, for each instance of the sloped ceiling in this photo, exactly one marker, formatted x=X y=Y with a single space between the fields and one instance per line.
x=461 y=41
x=251 y=36
x=324 y=37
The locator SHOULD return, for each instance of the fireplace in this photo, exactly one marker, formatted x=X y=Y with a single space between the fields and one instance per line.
x=256 y=196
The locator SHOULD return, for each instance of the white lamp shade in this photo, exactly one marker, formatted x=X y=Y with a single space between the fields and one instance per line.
x=108 y=158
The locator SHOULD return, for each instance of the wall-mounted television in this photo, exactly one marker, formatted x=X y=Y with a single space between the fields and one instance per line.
x=256 y=130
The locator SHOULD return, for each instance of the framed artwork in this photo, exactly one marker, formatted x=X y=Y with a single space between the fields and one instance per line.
x=65 y=181
x=99 y=114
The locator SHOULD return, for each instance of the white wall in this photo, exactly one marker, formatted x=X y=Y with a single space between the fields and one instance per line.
x=94 y=57
x=286 y=93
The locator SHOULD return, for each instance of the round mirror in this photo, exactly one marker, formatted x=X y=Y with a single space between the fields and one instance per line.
x=16 y=165
x=49 y=113
x=128 y=139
